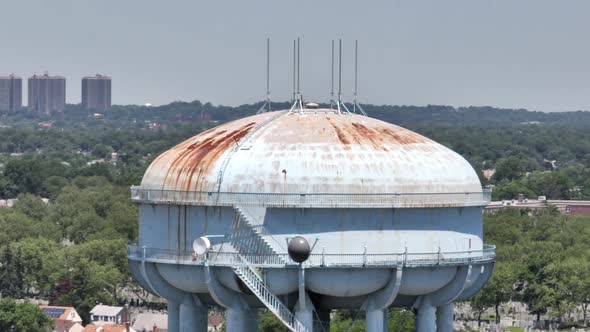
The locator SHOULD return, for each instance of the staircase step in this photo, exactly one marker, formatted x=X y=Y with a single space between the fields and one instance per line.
x=250 y=278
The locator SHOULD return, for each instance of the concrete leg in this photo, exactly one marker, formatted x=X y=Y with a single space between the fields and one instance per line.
x=173 y=317
x=426 y=318
x=375 y=320
x=304 y=313
x=377 y=304
x=193 y=318
x=444 y=318
x=240 y=320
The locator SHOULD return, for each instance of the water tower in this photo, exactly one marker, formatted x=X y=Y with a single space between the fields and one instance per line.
x=308 y=210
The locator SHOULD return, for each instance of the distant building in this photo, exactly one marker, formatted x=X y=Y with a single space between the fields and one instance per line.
x=7 y=203
x=66 y=318
x=102 y=314
x=11 y=92
x=565 y=207
x=107 y=328
x=47 y=94
x=96 y=92
x=488 y=173
x=549 y=164
x=148 y=320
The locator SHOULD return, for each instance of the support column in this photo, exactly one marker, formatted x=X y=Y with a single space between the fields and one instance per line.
x=377 y=304
x=304 y=311
x=426 y=318
x=444 y=318
x=304 y=308
x=239 y=319
x=375 y=320
x=193 y=318
x=173 y=317
x=238 y=316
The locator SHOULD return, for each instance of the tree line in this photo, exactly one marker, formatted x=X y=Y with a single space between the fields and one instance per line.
x=542 y=261
x=71 y=249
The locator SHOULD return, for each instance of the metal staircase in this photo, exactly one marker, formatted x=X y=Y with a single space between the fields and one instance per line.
x=249 y=276
x=254 y=217
x=249 y=240
x=253 y=250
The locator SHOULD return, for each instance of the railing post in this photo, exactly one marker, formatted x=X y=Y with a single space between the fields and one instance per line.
x=405 y=256
x=439 y=256
x=365 y=255
x=323 y=256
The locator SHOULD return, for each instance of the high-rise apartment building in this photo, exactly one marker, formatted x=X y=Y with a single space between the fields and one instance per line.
x=96 y=92
x=47 y=94
x=11 y=92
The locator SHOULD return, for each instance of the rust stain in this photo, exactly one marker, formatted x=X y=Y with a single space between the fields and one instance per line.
x=375 y=136
x=404 y=137
x=195 y=159
x=362 y=132
x=341 y=136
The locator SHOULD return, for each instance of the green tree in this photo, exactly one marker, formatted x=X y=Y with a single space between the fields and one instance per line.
x=509 y=190
x=497 y=291
x=539 y=288
x=347 y=320
x=31 y=206
x=43 y=262
x=102 y=151
x=11 y=273
x=26 y=175
x=513 y=168
x=573 y=284
x=268 y=322
x=23 y=317
x=401 y=320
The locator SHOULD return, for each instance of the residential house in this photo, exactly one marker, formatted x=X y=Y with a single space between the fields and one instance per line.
x=102 y=314
x=66 y=318
x=146 y=321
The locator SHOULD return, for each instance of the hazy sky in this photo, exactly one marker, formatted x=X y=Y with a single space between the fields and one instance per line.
x=529 y=53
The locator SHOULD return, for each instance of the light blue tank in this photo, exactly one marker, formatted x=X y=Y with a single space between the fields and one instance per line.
x=392 y=219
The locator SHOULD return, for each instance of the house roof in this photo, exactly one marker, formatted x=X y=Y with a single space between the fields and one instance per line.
x=215 y=320
x=106 y=310
x=106 y=328
x=147 y=320
x=77 y=327
x=61 y=313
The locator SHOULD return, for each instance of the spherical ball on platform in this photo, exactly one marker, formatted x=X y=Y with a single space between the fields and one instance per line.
x=299 y=249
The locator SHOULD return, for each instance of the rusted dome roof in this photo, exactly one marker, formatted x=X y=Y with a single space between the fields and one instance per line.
x=313 y=151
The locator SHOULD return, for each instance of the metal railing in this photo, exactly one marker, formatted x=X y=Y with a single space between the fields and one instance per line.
x=305 y=200
x=233 y=259
x=246 y=237
x=271 y=301
x=260 y=230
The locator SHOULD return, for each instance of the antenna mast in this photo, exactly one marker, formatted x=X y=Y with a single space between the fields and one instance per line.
x=356 y=104
x=294 y=68
x=297 y=97
x=339 y=104
x=332 y=102
x=339 y=73
x=267 y=104
x=298 y=74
